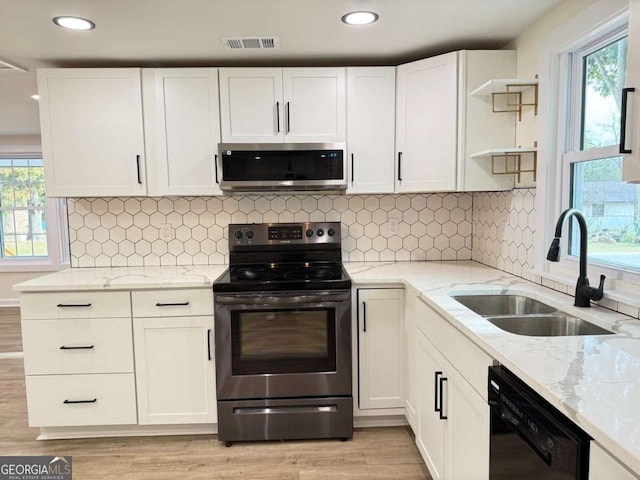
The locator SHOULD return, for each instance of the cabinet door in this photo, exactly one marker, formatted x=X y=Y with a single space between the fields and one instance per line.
x=175 y=372
x=426 y=124
x=371 y=105
x=631 y=161
x=411 y=362
x=467 y=445
x=92 y=135
x=381 y=345
x=251 y=108
x=430 y=436
x=182 y=115
x=315 y=105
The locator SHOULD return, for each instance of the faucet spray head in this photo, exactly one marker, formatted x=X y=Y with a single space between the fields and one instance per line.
x=554 y=250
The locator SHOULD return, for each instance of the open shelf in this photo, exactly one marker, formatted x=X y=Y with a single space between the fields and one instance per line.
x=511 y=160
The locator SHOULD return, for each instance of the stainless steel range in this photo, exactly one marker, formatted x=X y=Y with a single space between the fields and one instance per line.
x=283 y=334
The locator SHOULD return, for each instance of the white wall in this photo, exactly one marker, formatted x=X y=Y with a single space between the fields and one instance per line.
x=7 y=279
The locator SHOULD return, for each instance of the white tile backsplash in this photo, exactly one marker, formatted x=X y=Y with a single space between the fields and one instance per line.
x=126 y=231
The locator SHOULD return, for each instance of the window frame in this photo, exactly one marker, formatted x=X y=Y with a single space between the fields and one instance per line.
x=56 y=218
x=600 y=20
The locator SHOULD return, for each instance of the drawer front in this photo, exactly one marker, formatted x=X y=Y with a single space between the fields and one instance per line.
x=74 y=305
x=462 y=353
x=77 y=400
x=89 y=345
x=172 y=303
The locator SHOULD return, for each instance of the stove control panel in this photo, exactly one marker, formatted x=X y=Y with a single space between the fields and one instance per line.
x=284 y=233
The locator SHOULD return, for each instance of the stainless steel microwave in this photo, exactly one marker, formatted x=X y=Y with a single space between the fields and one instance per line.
x=254 y=167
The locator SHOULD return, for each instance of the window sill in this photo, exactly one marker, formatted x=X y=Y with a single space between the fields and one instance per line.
x=612 y=297
x=31 y=266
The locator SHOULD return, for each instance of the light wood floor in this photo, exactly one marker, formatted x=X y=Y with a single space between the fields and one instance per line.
x=381 y=453
x=10 y=334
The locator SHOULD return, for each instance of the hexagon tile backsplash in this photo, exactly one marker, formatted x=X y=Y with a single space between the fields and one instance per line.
x=503 y=230
x=106 y=232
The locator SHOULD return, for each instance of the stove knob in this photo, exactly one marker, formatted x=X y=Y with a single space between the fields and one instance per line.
x=238 y=234
x=249 y=234
x=309 y=233
x=320 y=232
x=331 y=232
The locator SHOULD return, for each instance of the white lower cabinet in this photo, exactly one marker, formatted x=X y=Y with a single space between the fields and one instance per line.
x=381 y=348
x=174 y=358
x=410 y=359
x=603 y=466
x=452 y=416
x=78 y=357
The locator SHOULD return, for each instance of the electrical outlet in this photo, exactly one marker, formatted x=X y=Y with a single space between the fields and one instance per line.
x=166 y=232
x=393 y=226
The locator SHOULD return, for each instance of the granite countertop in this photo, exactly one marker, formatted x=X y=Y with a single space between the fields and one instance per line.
x=594 y=380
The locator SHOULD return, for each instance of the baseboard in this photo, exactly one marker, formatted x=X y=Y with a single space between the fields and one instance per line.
x=60 y=433
x=380 y=421
x=9 y=302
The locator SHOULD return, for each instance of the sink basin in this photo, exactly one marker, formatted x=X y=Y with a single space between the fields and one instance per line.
x=494 y=305
x=552 y=325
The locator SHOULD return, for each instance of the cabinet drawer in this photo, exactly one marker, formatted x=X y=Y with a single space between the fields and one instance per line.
x=461 y=352
x=172 y=303
x=114 y=395
x=74 y=305
x=98 y=345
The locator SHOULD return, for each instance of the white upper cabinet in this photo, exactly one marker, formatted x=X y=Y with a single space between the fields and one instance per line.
x=371 y=105
x=631 y=161
x=426 y=124
x=439 y=125
x=251 y=105
x=182 y=120
x=283 y=105
x=92 y=132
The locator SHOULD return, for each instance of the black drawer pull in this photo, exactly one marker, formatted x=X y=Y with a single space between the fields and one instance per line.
x=209 y=344
x=436 y=406
x=69 y=402
x=364 y=316
x=180 y=304
x=82 y=347
x=441 y=388
x=73 y=305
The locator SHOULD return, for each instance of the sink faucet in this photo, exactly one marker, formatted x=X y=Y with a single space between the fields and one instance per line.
x=584 y=292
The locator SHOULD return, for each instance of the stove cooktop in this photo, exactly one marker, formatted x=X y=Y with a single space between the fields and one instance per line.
x=283 y=276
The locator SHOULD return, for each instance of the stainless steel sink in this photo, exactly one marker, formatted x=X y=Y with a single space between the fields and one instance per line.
x=493 y=305
x=552 y=325
x=526 y=316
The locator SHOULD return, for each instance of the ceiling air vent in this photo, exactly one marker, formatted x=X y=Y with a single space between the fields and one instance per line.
x=244 y=43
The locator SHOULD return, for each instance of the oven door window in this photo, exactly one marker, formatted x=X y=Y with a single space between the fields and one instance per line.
x=283 y=341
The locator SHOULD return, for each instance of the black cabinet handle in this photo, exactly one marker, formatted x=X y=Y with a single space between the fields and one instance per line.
x=181 y=304
x=288 y=119
x=441 y=385
x=138 y=169
x=215 y=166
x=68 y=402
x=278 y=116
x=73 y=305
x=209 y=344
x=364 y=316
x=352 y=168
x=623 y=119
x=82 y=347
x=399 y=166
x=436 y=384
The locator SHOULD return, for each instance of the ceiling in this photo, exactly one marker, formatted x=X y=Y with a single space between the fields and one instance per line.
x=187 y=33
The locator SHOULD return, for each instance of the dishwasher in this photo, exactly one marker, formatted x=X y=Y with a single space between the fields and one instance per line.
x=531 y=439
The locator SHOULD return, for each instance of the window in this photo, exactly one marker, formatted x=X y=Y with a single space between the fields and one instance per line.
x=592 y=167
x=30 y=223
x=23 y=228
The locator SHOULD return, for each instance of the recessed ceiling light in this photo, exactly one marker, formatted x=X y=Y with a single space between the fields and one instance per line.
x=35 y=97
x=74 y=23
x=359 y=18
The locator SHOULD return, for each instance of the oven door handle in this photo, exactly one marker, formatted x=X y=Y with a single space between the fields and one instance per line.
x=282 y=299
